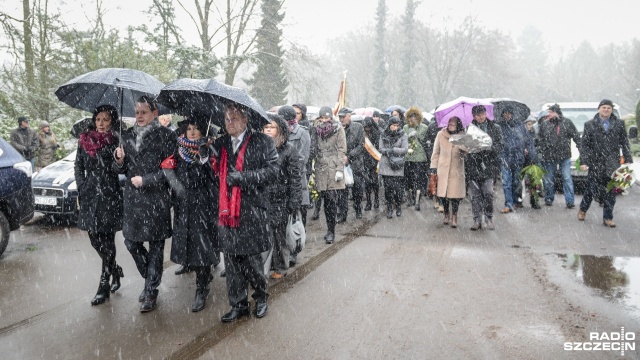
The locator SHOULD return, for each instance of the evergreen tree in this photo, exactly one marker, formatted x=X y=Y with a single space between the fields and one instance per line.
x=380 y=73
x=268 y=84
x=408 y=57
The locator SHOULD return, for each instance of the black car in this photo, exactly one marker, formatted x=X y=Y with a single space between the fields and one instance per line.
x=54 y=189
x=16 y=197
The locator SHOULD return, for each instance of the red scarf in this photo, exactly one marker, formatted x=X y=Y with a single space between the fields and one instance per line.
x=93 y=141
x=229 y=208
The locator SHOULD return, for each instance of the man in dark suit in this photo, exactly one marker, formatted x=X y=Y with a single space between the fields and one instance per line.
x=354 y=157
x=246 y=164
x=147 y=203
x=603 y=139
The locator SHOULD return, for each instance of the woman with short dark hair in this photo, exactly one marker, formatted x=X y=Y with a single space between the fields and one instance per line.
x=100 y=194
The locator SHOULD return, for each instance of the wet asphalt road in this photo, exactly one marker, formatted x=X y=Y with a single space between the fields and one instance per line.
x=409 y=287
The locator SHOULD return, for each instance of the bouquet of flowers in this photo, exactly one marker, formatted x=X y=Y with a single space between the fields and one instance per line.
x=475 y=140
x=533 y=175
x=313 y=190
x=621 y=180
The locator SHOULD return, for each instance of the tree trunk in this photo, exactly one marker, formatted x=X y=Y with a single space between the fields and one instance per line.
x=28 y=49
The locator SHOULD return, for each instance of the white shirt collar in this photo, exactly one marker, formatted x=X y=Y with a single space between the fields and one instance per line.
x=240 y=138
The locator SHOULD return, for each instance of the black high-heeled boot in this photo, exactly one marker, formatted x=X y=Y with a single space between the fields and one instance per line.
x=316 y=210
x=116 y=274
x=103 y=290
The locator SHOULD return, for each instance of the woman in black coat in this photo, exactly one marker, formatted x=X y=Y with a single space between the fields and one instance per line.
x=100 y=195
x=147 y=202
x=194 y=214
x=285 y=193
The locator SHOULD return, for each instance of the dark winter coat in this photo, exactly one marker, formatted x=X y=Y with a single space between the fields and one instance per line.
x=485 y=164
x=25 y=141
x=600 y=149
x=299 y=138
x=396 y=145
x=516 y=140
x=285 y=192
x=260 y=169
x=432 y=132
x=147 y=210
x=195 y=215
x=554 y=139
x=355 y=147
x=99 y=191
x=374 y=137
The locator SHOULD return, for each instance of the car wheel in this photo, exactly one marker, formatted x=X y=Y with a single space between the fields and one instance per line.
x=4 y=233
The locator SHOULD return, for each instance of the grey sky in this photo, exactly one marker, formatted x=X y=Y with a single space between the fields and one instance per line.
x=564 y=23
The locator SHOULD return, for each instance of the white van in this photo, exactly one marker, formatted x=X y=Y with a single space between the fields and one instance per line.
x=579 y=113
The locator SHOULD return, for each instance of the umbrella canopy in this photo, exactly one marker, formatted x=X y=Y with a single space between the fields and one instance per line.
x=461 y=107
x=519 y=109
x=395 y=107
x=110 y=86
x=366 y=111
x=207 y=97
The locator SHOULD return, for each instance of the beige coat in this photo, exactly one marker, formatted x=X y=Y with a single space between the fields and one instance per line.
x=47 y=149
x=329 y=158
x=448 y=159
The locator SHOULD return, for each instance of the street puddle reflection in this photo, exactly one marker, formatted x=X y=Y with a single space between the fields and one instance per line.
x=617 y=279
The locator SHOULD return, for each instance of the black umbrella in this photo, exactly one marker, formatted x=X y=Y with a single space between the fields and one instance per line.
x=519 y=109
x=207 y=97
x=110 y=86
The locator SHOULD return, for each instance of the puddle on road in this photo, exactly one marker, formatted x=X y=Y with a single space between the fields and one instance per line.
x=616 y=279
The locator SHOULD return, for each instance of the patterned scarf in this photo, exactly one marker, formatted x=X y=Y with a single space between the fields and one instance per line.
x=188 y=149
x=93 y=141
x=229 y=208
x=324 y=130
x=292 y=123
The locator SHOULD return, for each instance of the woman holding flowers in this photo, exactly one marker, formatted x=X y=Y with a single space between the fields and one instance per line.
x=602 y=140
x=417 y=162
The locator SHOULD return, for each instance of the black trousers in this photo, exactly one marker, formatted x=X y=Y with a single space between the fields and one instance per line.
x=372 y=185
x=455 y=203
x=393 y=190
x=415 y=174
x=242 y=271
x=356 y=191
x=330 y=208
x=105 y=245
x=149 y=262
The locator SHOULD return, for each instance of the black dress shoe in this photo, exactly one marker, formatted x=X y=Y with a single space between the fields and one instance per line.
x=234 y=314
x=117 y=274
x=183 y=270
x=261 y=309
x=329 y=237
x=149 y=303
x=367 y=207
x=398 y=212
x=200 y=300
x=389 y=214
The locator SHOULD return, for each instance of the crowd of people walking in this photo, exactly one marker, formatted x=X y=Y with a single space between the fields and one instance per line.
x=234 y=192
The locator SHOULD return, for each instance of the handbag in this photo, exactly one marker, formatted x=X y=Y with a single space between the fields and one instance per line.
x=296 y=235
x=348 y=175
x=396 y=162
x=433 y=185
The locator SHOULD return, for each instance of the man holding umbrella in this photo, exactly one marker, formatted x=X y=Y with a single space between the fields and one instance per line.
x=246 y=163
x=147 y=202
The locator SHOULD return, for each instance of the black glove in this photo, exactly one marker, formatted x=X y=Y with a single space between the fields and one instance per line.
x=234 y=178
x=387 y=152
x=293 y=214
x=203 y=150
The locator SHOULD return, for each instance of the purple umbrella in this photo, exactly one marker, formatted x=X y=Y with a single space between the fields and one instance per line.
x=461 y=107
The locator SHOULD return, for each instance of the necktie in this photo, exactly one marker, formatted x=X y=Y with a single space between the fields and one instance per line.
x=234 y=143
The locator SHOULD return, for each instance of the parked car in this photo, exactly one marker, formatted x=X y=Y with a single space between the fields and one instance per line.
x=55 y=190
x=16 y=197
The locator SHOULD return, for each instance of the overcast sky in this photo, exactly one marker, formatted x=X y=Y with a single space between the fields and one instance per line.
x=565 y=23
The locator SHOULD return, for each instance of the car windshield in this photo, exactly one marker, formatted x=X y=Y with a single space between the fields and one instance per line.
x=580 y=116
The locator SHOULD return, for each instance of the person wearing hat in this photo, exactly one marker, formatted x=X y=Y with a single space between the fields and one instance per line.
x=603 y=139
x=517 y=145
x=47 y=145
x=24 y=140
x=301 y=115
x=354 y=157
x=554 y=141
x=394 y=145
x=531 y=157
x=482 y=168
x=328 y=151
x=378 y=120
